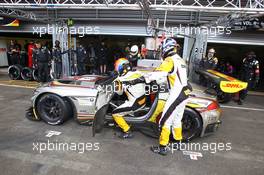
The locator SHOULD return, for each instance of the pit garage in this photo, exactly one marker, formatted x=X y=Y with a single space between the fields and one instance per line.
x=226 y=137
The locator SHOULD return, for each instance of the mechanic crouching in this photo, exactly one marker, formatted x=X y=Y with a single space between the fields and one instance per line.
x=126 y=82
x=174 y=70
x=41 y=57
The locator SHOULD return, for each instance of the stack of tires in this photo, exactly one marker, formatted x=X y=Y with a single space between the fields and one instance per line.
x=17 y=72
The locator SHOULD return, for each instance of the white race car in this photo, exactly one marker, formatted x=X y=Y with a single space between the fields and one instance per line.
x=83 y=98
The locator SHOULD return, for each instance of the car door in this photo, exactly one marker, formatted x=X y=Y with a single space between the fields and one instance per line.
x=99 y=120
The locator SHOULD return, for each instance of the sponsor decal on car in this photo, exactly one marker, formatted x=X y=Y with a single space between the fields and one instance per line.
x=232 y=87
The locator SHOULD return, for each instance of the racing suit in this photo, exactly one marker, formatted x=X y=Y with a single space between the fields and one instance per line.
x=174 y=69
x=135 y=94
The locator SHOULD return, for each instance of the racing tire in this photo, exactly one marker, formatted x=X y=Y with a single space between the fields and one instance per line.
x=26 y=74
x=53 y=109
x=191 y=124
x=14 y=72
x=35 y=74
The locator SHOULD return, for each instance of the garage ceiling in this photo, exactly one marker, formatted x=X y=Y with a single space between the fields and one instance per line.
x=174 y=11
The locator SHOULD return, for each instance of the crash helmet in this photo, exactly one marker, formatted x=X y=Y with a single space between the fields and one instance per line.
x=168 y=46
x=122 y=66
x=134 y=50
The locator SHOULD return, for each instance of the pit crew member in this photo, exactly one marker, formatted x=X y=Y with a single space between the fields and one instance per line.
x=134 y=91
x=174 y=69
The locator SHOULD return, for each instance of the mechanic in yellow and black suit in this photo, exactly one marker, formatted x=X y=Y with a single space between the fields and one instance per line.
x=128 y=82
x=174 y=69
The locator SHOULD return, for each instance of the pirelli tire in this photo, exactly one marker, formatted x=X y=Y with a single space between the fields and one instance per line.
x=27 y=74
x=53 y=109
x=192 y=124
x=14 y=72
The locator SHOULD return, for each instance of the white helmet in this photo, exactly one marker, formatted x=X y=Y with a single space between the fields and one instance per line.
x=134 y=50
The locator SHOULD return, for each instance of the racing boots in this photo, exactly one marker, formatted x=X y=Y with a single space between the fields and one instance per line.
x=162 y=150
x=126 y=135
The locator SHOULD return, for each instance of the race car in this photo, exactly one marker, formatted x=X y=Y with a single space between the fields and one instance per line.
x=221 y=85
x=90 y=98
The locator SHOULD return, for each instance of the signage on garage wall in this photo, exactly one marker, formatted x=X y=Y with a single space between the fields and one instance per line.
x=9 y=22
x=249 y=24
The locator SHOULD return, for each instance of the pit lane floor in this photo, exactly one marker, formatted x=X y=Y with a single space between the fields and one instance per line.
x=243 y=128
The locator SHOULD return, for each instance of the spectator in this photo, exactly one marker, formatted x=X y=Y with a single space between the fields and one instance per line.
x=102 y=53
x=92 y=58
x=144 y=51
x=41 y=57
x=81 y=59
x=250 y=70
x=250 y=74
x=229 y=69
x=30 y=47
x=57 y=58
x=209 y=62
x=222 y=66
x=127 y=52
x=14 y=52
